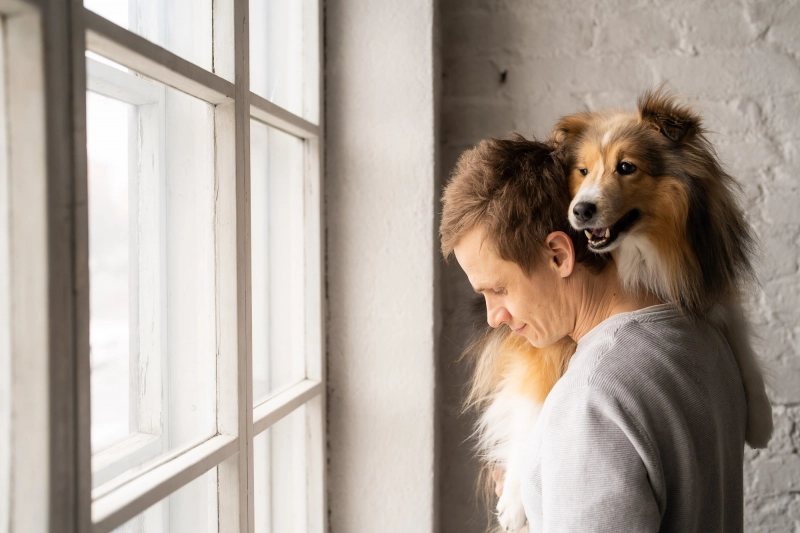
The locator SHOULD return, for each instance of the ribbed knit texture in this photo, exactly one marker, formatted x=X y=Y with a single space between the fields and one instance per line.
x=643 y=433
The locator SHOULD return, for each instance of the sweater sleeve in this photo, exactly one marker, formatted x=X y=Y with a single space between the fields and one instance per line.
x=593 y=478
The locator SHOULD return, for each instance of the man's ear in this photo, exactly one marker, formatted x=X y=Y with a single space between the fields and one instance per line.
x=560 y=253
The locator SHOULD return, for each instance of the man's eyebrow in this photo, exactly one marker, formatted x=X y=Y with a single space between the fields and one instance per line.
x=478 y=290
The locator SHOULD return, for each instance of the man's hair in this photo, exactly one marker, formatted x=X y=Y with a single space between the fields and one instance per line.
x=517 y=191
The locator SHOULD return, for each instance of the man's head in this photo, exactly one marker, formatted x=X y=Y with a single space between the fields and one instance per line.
x=515 y=189
x=505 y=217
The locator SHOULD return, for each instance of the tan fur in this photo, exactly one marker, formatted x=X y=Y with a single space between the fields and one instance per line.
x=503 y=359
x=667 y=231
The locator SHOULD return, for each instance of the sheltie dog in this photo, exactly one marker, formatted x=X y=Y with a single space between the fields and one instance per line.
x=647 y=188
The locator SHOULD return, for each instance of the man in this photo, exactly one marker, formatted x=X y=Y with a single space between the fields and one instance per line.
x=645 y=430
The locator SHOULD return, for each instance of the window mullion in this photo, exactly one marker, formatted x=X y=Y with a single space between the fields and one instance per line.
x=277 y=117
x=68 y=251
x=315 y=298
x=235 y=393
x=231 y=370
x=268 y=413
x=241 y=11
x=133 y=496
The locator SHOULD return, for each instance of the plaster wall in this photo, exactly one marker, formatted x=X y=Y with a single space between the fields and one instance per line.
x=381 y=272
x=521 y=65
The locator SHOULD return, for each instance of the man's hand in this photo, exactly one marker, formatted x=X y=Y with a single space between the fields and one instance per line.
x=498 y=475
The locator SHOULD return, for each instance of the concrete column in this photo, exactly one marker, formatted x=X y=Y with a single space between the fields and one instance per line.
x=382 y=200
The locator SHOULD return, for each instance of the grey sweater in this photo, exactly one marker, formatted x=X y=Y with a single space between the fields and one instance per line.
x=643 y=433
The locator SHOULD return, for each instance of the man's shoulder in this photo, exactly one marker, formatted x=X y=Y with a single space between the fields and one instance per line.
x=657 y=339
x=653 y=357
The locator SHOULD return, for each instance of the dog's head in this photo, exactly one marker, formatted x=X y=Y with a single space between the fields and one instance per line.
x=619 y=166
x=652 y=174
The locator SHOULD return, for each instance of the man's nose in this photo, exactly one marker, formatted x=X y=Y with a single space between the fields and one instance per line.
x=497 y=316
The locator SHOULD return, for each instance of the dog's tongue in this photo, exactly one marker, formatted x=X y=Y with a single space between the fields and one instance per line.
x=599 y=232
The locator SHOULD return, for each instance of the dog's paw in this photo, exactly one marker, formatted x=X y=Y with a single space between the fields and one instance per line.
x=510 y=514
x=759 y=420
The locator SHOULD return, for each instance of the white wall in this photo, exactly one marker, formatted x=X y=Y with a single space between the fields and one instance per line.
x=381 y=201
x=739 y=62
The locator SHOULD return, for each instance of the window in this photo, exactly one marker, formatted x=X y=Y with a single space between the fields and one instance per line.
x=202 y=365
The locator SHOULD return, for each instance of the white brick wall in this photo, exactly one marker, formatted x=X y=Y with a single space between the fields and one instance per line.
x=738 y=61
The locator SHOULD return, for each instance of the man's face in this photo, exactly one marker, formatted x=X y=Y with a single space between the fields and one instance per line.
x=531 y=305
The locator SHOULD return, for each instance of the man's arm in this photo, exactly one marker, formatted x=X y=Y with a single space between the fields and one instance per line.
x=593 y=478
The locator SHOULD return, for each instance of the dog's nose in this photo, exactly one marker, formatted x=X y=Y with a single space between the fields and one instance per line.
x=584 y=211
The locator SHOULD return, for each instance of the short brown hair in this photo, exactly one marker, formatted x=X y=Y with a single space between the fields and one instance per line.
x=517 y=190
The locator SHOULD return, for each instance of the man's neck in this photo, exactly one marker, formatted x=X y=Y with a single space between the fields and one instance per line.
x=603 y=296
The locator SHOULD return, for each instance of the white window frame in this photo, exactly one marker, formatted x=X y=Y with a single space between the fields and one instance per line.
x=58 y=341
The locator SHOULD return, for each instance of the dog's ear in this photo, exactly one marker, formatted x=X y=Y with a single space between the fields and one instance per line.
x=662 y=112
x=569 y=128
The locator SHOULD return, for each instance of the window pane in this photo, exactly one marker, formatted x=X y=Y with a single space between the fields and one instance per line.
x=276 y=185
x=151 y=265
x=281 y=48
x=181 y=26
x=109 y=261
x=279 y=462
x=190 y=509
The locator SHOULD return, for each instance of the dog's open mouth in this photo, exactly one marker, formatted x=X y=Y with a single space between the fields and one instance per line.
x=600 y=238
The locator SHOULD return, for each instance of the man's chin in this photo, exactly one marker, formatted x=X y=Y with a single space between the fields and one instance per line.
x=539 y=343
x=535 y=341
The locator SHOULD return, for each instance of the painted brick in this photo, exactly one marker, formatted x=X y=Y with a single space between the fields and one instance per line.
x=730 y=73
x=510 y=33
x=777 y=519
x=581 y=74
x=778 y=22
x=777 y=476
x=646 y=29
x=705 y=28
x=781 y=114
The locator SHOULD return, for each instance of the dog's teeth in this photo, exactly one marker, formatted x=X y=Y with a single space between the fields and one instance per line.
x=588 y=234
x=608 y=233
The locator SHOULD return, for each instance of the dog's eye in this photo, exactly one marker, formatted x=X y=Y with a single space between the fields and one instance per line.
x=583 y=171
x=626 y=168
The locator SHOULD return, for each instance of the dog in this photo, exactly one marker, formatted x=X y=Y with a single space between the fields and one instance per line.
x=647 y=188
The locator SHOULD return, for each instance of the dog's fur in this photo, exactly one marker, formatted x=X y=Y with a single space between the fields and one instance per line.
x=674 y=229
